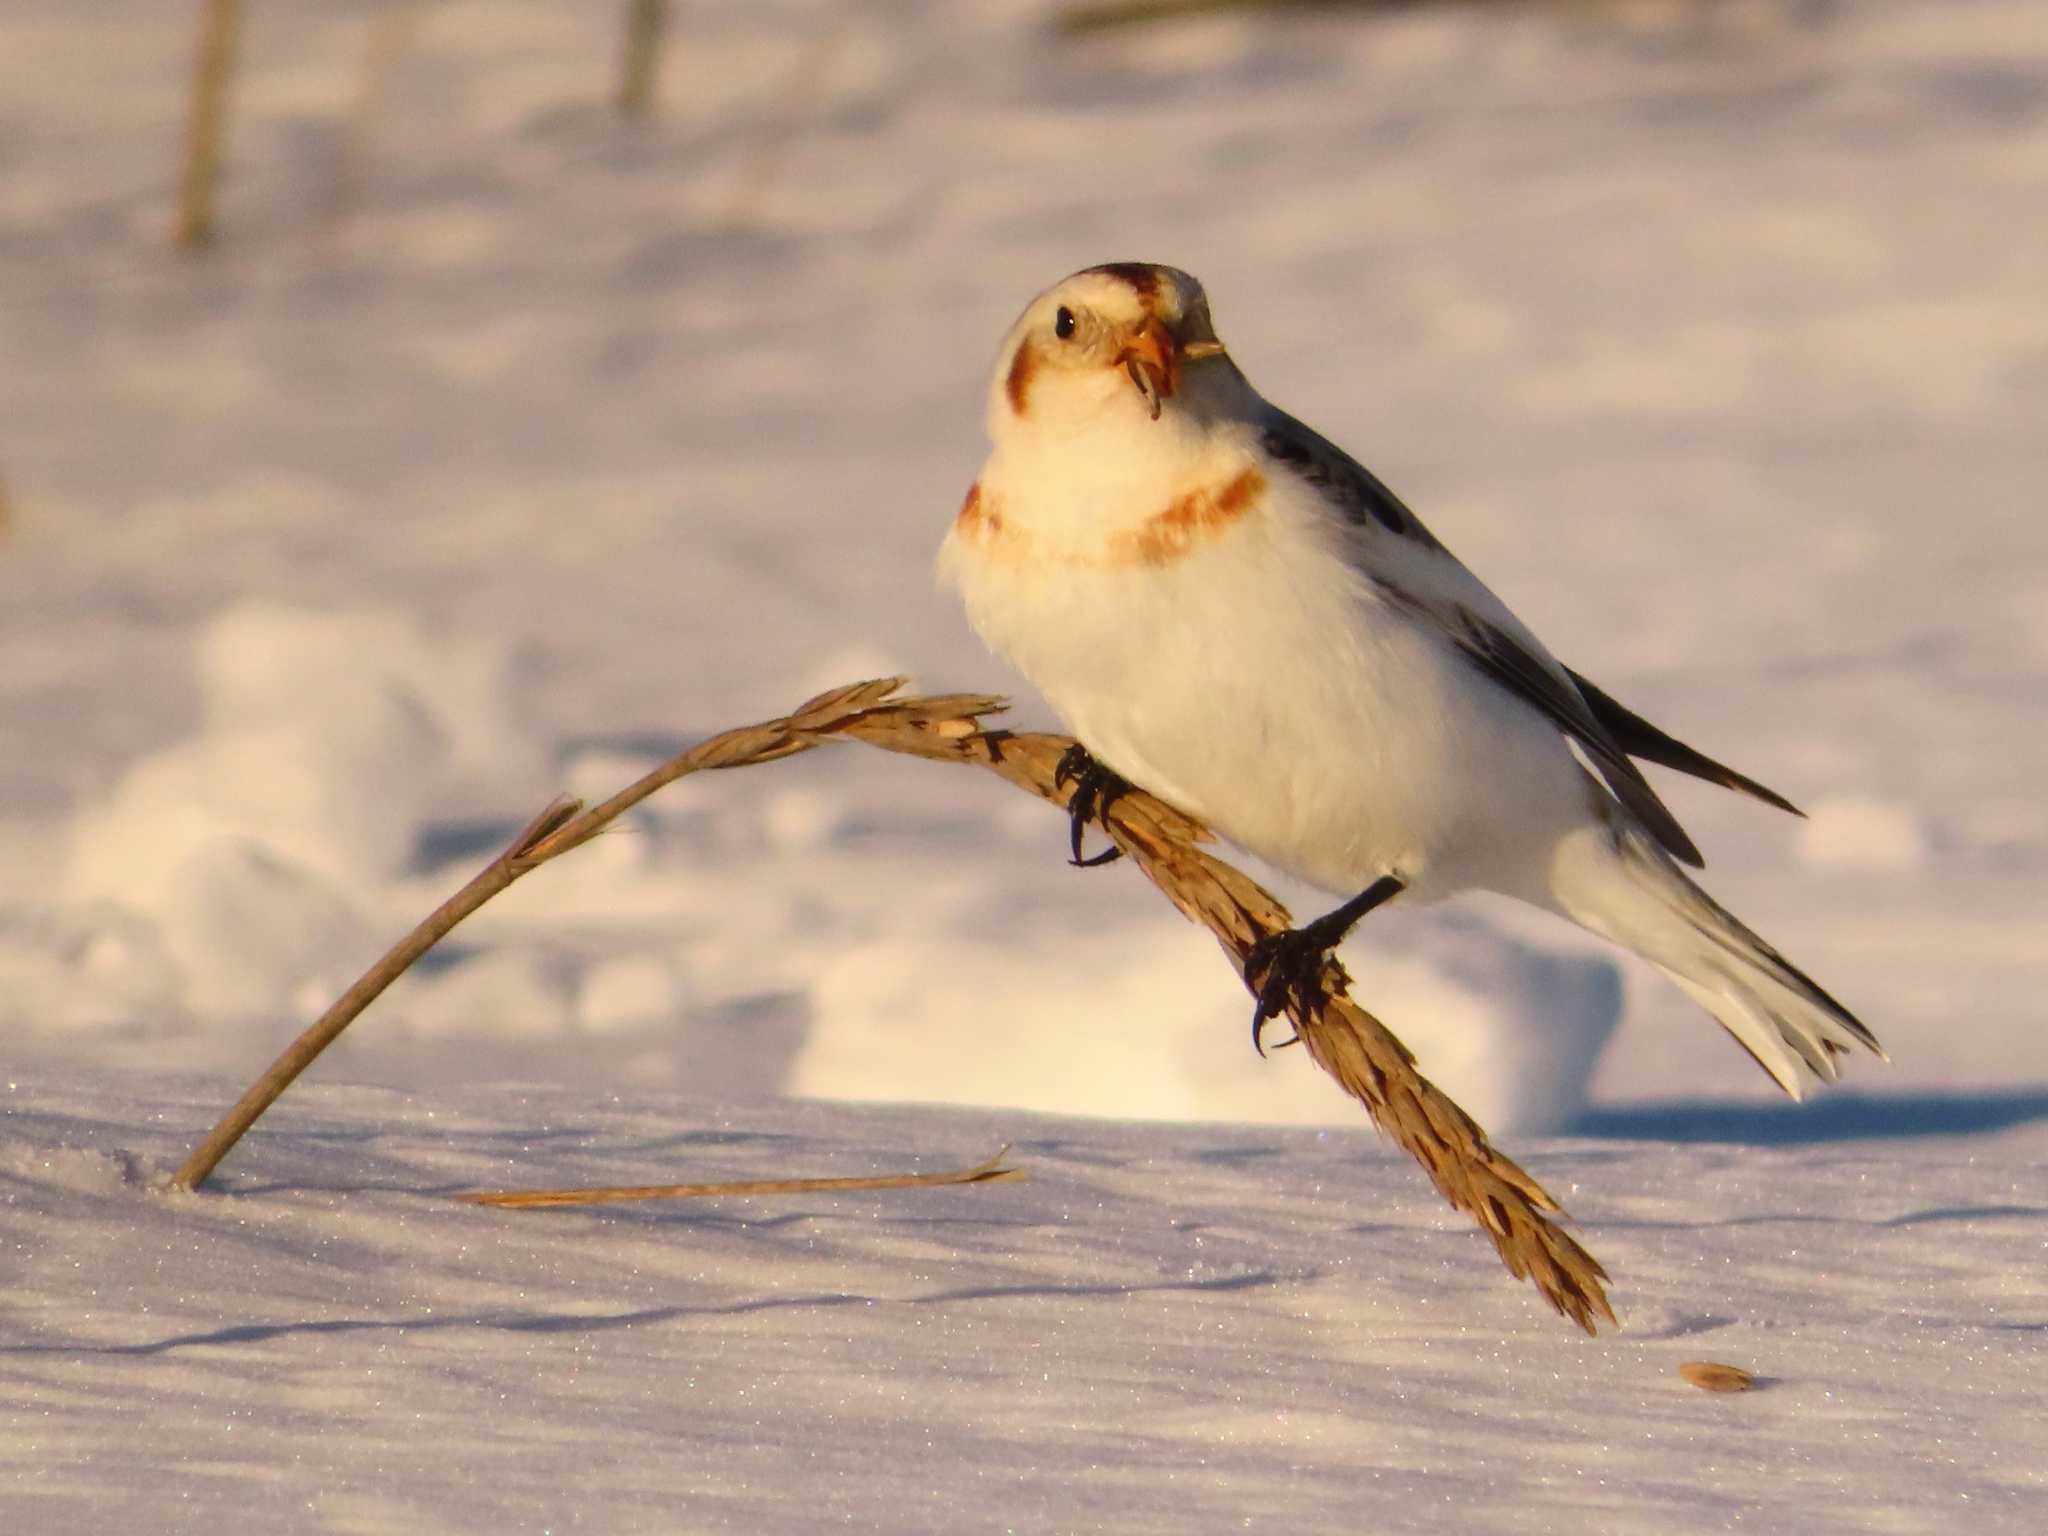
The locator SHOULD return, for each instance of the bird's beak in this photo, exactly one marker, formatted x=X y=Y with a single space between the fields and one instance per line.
x=1153 y=360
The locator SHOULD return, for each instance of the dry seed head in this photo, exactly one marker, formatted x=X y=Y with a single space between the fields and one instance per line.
x=1713 y=1376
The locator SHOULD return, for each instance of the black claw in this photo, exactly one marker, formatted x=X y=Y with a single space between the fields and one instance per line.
x=1096 y=789
x=1073 y=763
x=1288 y=966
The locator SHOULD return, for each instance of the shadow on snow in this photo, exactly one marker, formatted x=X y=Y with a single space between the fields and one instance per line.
x=1842 y=1117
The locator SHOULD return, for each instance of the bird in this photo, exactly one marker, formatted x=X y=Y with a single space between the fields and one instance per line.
x=1228 y=611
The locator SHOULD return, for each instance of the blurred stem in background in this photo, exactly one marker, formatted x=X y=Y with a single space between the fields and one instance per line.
x=208 y=124
x=390 y=37
x=645 y=22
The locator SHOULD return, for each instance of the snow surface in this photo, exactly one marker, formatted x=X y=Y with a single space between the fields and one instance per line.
x=1167 y=1328
x=503 y=447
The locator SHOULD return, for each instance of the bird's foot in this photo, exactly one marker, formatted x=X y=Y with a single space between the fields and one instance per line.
x=1286 y=968
x=1096 y=789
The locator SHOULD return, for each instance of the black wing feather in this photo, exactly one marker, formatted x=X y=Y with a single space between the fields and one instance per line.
x=1501 y=658
x=1608 y=733
x=1508 y=662
x=1638 y=738
x=1355 y=491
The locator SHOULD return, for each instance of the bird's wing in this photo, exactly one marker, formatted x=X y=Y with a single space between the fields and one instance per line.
x=1532 y=677
x=1638 y=738
x=1411 y=570
x=1350 y=489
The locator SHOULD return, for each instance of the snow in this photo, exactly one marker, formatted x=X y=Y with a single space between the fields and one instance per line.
x=1856 y=831
x=1513 y=1035
x=503 y=448
x=1166 y=1328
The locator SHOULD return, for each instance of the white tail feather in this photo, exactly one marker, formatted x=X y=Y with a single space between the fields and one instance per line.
x=1621 y=886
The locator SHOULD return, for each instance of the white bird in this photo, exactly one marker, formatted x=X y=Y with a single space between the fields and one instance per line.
x=1229 y=612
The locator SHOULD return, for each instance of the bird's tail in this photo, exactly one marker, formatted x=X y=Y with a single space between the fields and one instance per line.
x=1621 y=886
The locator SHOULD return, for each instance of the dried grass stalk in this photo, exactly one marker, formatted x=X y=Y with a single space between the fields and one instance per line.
x=565 y=824
x=391 y=35
x=640 y=58
x=1355 y=1048
x=1365 y=1058
x=794 y=104
x=990 y=1171
x=1107 y=15
x=207 y=126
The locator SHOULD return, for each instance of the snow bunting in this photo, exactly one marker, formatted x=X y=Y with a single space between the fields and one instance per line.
x=1231 y=613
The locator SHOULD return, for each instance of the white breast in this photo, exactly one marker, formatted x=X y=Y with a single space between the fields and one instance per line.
x=1259 y=682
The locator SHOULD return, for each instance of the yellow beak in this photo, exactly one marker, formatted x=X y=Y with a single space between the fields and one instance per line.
x=1152 y=358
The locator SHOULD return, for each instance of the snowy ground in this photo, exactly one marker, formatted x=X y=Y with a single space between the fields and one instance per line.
x=1167 y=1329
x=502 y=447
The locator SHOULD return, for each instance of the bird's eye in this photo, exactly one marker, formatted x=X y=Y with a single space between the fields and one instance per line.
x=1063 y=323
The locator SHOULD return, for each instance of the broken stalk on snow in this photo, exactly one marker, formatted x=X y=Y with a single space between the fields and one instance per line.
x=990 y=1171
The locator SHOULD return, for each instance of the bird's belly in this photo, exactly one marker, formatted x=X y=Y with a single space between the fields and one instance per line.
x=1282 y=704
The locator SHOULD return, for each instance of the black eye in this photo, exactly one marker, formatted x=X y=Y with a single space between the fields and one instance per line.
x=1063 y=323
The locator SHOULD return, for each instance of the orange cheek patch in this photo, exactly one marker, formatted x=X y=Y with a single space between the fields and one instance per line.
x=1017 y=383
x=1187 y=521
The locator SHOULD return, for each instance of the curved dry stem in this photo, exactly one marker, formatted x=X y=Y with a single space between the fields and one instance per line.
x=1364 y=1057
x=1362 y=1054
x=565 y=824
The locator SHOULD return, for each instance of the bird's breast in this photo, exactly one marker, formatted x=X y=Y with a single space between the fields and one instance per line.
x=1235 y=664
x=996 y=526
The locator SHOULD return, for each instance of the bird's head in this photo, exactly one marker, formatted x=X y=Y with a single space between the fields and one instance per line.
x=1120 y=340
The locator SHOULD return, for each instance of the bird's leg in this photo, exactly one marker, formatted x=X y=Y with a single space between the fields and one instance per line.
x=1288 y=967
x=1096 y=789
